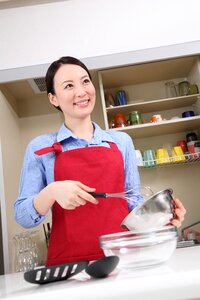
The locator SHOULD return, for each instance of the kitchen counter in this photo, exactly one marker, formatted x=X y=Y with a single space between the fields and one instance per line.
x=179 y=278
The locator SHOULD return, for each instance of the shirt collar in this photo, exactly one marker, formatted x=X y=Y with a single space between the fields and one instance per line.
x=99 y=135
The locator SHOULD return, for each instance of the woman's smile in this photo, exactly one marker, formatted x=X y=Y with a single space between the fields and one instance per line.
x=82 y=103
x=73 y=89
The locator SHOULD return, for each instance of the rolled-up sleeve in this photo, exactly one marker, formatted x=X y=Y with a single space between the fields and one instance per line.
x=32 y=181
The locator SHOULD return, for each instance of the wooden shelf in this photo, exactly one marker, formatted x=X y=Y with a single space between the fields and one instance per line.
x=154 y=105
x=148 y=72
x=162 y=128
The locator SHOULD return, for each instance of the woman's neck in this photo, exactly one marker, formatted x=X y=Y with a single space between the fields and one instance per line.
x=82 y=129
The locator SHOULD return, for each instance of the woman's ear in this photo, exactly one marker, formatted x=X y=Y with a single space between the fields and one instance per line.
x=53 y=99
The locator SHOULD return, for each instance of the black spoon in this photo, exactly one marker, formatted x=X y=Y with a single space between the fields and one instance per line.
x=103 y=267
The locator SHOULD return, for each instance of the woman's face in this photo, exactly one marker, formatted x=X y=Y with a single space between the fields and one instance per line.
x=74 y=92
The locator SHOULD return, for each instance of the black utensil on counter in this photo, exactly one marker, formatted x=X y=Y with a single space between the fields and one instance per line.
x=98 y=269
x=103 y=267
x=54 y=273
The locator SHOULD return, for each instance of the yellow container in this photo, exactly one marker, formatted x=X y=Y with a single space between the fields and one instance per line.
x=177 y=154
x=162 y=156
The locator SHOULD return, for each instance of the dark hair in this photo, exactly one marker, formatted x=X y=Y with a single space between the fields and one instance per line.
x=54 y=67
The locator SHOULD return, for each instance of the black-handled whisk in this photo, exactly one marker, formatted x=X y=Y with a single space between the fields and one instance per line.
x=128 y=195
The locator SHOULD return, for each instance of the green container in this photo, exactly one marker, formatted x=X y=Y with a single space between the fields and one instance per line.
x=135 y=118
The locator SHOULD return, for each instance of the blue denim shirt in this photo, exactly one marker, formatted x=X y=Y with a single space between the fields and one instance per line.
x=38 y=171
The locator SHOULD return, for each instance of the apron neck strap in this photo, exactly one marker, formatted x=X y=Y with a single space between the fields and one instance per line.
x=56 y=147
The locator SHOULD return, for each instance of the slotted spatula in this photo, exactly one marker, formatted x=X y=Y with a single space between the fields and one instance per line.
x=54 y=273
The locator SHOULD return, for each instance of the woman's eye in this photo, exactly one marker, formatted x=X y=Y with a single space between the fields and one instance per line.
x=86 y=80
x=69 y=86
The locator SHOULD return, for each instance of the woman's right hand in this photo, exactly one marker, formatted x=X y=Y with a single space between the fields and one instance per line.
x=70 y=194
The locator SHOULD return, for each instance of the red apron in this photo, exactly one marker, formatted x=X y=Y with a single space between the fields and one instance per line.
x=75 y=233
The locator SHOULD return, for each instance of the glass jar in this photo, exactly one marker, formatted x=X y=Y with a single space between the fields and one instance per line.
x=170 y=89
x=135 y=118
x=184 y=88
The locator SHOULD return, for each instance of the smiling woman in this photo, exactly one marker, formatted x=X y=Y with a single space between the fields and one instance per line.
x=74 y=94
x=71 y=90
x=62 y=169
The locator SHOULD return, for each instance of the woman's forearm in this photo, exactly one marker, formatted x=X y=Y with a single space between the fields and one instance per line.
x=44 y=200
x=69 y=194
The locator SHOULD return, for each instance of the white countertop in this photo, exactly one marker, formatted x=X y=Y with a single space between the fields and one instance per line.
x=179 y=278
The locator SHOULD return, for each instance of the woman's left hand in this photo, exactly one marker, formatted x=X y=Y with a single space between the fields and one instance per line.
x=179 y=212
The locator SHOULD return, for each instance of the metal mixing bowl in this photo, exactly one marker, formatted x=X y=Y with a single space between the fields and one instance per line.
x=154 y=212
x=139 y=249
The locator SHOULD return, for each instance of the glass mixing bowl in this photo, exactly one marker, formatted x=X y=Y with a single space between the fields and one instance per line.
x=144 y=248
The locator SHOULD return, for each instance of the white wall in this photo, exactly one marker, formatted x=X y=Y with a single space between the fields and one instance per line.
x=10 y=170
x=36 y=35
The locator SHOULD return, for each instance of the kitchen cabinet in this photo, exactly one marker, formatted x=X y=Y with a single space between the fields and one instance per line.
x=169 y=126
x=145 y=88
x=146 y=93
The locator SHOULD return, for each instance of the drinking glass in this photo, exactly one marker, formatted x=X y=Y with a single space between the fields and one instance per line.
x=170 y=89
x=139 y=158
x=149 y=158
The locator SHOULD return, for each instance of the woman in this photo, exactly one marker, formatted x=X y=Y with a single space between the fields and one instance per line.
x=61 y=170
